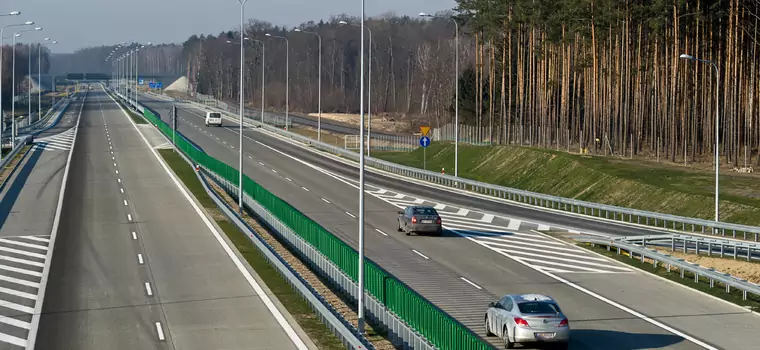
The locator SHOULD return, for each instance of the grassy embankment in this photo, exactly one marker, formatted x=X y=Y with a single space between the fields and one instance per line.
x=292 y=301
x=645 y=185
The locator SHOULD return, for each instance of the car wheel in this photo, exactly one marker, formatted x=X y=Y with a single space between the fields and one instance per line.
x=508 y=344
x=439 y=233
x=488 y=330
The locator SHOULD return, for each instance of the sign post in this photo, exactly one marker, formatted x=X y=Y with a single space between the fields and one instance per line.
x=174 y=126
x=424 y=142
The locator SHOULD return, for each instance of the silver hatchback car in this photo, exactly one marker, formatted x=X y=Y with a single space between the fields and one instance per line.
x=527 y=318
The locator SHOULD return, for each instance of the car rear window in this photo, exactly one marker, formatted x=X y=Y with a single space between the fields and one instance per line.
x=537 y=307
x=425 y=211
x=215 y=115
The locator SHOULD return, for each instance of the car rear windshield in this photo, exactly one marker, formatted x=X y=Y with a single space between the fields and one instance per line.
x=538 y=307
x=425 y=211
x=215 y=115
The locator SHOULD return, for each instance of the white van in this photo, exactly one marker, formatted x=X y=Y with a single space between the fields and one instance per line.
x=213 y=118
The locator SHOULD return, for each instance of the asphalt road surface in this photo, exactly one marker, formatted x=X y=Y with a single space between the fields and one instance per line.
x=28 y=204
x=489 y=249
x=136 y=265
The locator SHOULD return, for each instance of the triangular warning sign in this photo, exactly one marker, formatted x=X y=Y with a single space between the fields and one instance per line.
x=424 y=130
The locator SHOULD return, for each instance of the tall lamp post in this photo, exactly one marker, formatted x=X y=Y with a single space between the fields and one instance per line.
x=319 y=83
x=39 y=78
x=287 y=75
x=2 y=114
x=717 y=127
x=242 y=105
x=369 y=76
x=360 y=297
x=456 y=89
x=13 y=85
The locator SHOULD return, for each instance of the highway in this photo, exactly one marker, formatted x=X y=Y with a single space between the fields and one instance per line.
x=28 y=204
x=138 y=265
x=490 y=249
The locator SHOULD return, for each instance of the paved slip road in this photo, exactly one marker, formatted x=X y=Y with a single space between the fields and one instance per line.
x=484 y=254
x=27 y=210
x=135 y=265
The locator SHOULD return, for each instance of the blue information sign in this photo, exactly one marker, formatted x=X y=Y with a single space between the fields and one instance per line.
x=141 y=82
x=424 y=141
x=152 y=85
x=159 y=85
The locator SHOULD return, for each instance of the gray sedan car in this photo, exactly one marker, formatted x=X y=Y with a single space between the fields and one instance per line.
x=527 y=318
x=419 y=219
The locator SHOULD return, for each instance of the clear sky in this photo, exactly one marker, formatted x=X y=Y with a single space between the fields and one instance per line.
x=83 y=23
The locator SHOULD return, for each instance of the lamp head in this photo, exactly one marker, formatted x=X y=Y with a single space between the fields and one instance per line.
x=297 y=30
x=14 y=13
x=229 y=42
x=686 y=57
x=16 y=35
x=267 y=34
x=342 y=22
x=150 y=43
x=38 y=28
x=424 y=14
x=47 y=39
x=54 y=42
x=29 y=23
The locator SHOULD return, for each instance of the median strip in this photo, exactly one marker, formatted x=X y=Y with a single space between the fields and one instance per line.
x=296 y=306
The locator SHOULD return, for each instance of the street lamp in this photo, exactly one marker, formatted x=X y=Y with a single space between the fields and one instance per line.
x=369 y=87
x=242 y=105
x=717 y=126
x=319 y=83
x=2 y=115
x=263 y=57
x=287 y=75
x=456 y=89
x=137 y=71
x=13 y=85
x=39 y=78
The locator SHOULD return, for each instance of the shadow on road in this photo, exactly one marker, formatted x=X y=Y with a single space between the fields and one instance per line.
x=607 y=339
x=14 y=188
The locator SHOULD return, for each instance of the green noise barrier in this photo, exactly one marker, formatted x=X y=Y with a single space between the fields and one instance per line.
x=435 y=325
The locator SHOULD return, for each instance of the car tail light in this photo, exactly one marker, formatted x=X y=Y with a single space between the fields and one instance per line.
x=564 y=323
x=414 y=219
x=521 y=322
x=438 y=220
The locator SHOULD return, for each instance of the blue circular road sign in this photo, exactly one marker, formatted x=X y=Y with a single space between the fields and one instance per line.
x=424 y=141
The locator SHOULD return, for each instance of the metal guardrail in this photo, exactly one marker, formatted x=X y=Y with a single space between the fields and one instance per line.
x=698 y=245
x=670 y=262
x=21 y=142
x=398 y=332
x=567 y=205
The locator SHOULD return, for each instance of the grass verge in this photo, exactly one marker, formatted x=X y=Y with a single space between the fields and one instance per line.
x=636 y=184
x=296 y=306
x=703 y=284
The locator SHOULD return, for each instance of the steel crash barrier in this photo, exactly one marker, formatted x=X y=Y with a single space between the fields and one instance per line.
x=402 y=311
x=671 y=262
x=568 y=205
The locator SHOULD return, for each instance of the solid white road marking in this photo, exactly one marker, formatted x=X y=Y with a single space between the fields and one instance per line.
x=140 y=259
x=148 y=289
x=378 y=230
x=542 y=227
x=134 y=235
x=470 y=283
x=247 y=275
x=351 y=215
x=420 y=254
x=160 y=331
x=514 y=224
x=325 y=200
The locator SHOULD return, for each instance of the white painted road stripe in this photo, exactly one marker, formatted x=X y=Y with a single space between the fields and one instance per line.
x=19 y=281
x=129 y=217
x=325 y=200
x=21 y=271
x=471 y=283
x=22 y=261
x=140 y=259
x=12 y=340
x=420 y=254
x=35 y=238
x=122 y=190
x=28 y=245
x=134 y=235
x=514 y=224
x=351 y=215
x=148 y=289
x=384 y=234
x=22 y=252
x=18 y=293
x=125 y=202
x=160 y=331
x=17 y=307
x=305 y=189
x=487 y=218
x=439 y=206
x=543 y=228
x=14 y=322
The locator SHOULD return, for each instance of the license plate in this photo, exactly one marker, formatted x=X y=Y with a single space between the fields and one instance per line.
x=544 y=335
x=427 y=221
